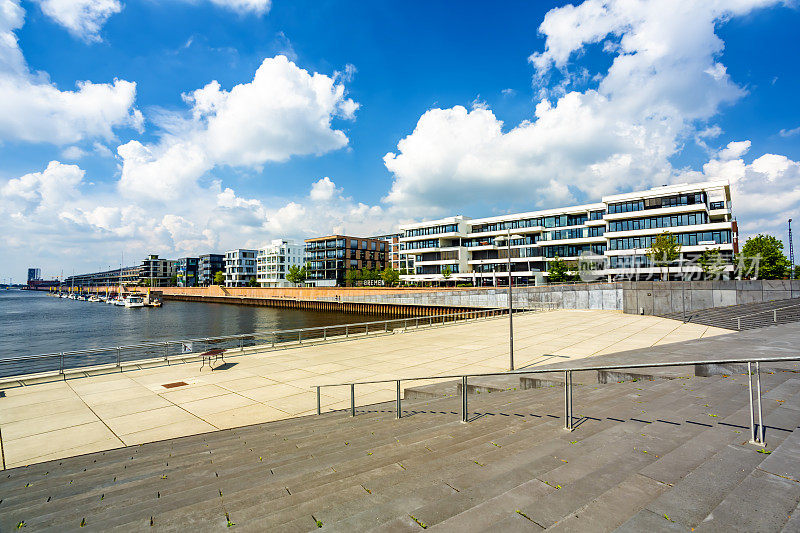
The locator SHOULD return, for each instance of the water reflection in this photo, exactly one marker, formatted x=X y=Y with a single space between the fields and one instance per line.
x=34 y=322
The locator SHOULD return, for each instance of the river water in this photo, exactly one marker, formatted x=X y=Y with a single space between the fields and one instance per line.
x=37 y=323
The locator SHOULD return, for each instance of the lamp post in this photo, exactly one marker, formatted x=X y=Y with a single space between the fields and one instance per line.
x=508 y=238
x=791 y=261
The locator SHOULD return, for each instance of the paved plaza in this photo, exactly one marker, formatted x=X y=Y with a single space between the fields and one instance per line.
x=117 y=408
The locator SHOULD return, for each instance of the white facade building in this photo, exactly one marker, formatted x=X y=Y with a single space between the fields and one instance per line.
x=240 y=267
x=613 y=235
x=273 y=262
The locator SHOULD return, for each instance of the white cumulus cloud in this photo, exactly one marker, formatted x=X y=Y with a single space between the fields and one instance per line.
x=85 y=18
x=322 y=190
x=33 y=109
x=92 y=225
x=82 y=18
x=258 y=7
x=664 y=83
x=766 y=191
x=284 y=111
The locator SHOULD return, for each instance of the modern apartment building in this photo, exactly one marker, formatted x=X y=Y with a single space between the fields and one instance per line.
x=329 y=258
x=130 y=275
x=397 y=259
x=273 y=262
x=187 y=270
x=157 y=272
x=240 y=267
x=209 y=265
x=34 y=274
x=612 y=236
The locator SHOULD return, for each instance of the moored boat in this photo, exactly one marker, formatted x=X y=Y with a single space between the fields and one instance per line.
x=133 y=301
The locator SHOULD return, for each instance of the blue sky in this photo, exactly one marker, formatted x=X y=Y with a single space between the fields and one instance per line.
x=628 y=98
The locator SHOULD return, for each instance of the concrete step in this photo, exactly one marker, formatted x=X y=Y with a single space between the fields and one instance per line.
x=514 y=439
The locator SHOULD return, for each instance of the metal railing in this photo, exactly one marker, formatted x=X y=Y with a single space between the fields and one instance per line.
x=757 y=431
x=773 y=311
x=117 y=356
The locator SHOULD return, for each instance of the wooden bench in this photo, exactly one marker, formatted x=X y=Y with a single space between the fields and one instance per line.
x=216 y=354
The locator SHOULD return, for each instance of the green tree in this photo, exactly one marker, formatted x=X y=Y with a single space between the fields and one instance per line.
x=296 y=274
x=173 y=281
x=558 y=271
x=253 y=282
x=390 y=276
x=352 y=277
x=446 y=273
x=664 y=250
x=219 y=278
x=762 y=257
x=712 y=263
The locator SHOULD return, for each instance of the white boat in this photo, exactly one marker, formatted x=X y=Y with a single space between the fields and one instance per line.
x=133 y=301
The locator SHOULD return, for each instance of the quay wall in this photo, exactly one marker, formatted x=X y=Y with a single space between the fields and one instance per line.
x=408 y=301
x=634 y=297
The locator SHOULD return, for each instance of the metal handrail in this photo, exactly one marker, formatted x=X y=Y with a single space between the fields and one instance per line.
x=773 y=311
x=568 y=369
x=114 y=353
x=757 y=431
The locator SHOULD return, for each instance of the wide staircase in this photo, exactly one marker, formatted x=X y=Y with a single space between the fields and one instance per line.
x=744 y=316
x=645 y=455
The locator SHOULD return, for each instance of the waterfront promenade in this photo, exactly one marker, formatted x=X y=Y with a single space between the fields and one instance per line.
x=113 y=409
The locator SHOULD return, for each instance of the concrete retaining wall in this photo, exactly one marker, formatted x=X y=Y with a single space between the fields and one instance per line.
x=664 y=297
x=645 y=297
x=578 y=296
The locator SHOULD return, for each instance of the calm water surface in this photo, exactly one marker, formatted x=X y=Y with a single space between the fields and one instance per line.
x=35 y=322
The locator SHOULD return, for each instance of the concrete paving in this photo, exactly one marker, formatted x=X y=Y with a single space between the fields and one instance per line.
x=111 y=409
x=645 y=456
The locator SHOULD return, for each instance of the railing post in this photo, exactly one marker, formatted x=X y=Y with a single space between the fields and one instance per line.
x=752 y=413
x=416 y=326
x=762 y=433
x=325 y=333
x=399 y=405
x=775 y=315
x=386 y=327
x=273 y=339
x=299 y=336
x=346 y=328
x=464 y=406
x=405 y=324
x=366 y=329
x=61 y=363
x=571 y=411
x=568 y=400
x=241 y=343
x=319 y=402
x=166 y=348
x=739 y=324
x=118 y=358
x=757 y=432
x=352 y=399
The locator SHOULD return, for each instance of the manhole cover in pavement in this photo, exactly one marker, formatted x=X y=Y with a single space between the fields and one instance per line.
x=173 y=385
